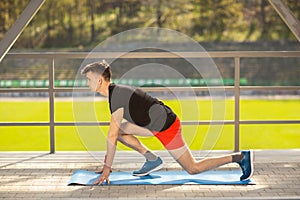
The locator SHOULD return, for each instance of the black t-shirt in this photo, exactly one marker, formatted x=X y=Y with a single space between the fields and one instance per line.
x=140 y=108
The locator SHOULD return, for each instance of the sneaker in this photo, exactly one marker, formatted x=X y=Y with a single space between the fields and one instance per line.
x=148 y=167
x=246 y=165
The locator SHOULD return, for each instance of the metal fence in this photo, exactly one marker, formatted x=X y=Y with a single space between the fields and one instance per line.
x=237 y=88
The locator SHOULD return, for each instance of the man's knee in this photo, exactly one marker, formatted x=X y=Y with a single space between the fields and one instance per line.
x=191 y=170
x=123 y=128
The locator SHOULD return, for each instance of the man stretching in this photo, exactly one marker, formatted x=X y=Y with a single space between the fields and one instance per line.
x=147 y=116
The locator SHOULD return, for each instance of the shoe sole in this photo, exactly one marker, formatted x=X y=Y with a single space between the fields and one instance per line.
x=251 y=165
x=153 y=170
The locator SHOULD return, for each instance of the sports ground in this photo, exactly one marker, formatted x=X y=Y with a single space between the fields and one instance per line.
x=285 y=136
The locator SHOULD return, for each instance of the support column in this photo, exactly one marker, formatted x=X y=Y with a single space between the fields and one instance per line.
x=236 y=104
x=51 y=105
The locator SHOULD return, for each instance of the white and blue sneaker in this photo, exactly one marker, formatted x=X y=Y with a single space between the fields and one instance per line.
x=246 y=165
x=149 y=167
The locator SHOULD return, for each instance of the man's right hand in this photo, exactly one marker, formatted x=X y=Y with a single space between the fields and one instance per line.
x=104 y=176
x=101 y=171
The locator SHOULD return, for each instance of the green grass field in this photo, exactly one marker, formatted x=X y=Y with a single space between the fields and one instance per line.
x=198 y=137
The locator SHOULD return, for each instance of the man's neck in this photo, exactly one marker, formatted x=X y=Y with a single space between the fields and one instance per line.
x=105 y=88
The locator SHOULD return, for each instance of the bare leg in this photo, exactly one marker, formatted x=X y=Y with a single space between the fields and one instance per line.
x=127 y=138
x=184 y=157
x=133 y=143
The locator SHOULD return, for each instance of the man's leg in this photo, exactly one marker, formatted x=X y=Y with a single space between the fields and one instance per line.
x=173 y=141
x=126 y=136
x=153 y=162
x=185 y=158
x=133 y=143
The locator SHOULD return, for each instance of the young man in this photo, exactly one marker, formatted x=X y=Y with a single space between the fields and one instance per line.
x=147 y=116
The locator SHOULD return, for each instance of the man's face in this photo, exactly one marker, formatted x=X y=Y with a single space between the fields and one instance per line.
x=93 y=81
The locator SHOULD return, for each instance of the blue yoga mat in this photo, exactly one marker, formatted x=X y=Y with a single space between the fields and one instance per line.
x=83 y=177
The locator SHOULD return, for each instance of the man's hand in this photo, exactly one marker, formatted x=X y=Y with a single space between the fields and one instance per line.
x=100 y=171
x=104 y=176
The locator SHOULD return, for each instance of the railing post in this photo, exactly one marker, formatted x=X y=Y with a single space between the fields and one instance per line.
x=236 y=104
x=51 y=104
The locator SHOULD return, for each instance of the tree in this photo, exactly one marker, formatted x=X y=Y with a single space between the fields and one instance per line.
x=9 y=13
x=74 y=23
x=91 y=9
x=214 y=19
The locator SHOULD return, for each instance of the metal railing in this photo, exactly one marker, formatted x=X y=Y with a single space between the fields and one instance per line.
x=51 y=90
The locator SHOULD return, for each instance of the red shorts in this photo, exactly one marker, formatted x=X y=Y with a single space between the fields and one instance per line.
x=171 y=138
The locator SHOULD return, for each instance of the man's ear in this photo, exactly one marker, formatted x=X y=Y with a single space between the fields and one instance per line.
x=100 y=80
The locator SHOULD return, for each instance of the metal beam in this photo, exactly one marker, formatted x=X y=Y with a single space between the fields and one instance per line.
x=237 y=76
x=138 y=55
x=287 y=16
x=51 y=105
x=17 y=28
x=185 y=123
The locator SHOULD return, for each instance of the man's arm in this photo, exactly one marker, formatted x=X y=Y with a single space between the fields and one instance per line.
x=112 y=136
x=111 y=142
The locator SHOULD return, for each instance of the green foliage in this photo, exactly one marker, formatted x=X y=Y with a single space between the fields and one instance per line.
x=82 y=24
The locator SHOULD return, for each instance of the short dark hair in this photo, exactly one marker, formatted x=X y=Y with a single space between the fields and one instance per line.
x=102 y=68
